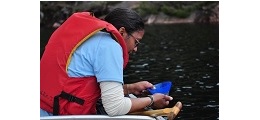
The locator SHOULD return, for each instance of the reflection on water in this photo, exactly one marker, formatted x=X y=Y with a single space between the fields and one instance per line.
x=187 y=55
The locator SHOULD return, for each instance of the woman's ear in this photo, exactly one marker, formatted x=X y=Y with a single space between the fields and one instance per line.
x=122 y=31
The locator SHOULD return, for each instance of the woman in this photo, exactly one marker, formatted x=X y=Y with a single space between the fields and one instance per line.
x=84 y=61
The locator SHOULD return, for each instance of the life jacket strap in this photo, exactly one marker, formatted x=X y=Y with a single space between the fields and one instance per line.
x=67 y=96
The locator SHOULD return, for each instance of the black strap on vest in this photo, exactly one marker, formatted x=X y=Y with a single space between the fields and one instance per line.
x=67 y=96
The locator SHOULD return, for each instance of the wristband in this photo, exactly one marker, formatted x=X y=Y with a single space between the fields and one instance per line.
x=149 y=106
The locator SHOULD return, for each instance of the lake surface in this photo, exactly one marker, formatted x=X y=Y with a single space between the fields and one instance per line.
x=187 y=55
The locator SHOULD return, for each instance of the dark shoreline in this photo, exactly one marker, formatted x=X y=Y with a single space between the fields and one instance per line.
x=54 y=13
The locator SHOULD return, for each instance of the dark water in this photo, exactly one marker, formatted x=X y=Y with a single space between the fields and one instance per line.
x=187 y=55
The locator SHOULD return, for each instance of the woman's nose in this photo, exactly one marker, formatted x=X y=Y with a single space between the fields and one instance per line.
x=135 y=49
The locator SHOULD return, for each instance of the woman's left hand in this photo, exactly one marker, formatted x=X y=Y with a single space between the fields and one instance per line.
x=138 y=87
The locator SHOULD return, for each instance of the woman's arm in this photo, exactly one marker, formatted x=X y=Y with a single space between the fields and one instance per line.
x=115 y=103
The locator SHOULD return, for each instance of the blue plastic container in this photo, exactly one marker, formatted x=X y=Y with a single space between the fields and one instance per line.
x=163 y=87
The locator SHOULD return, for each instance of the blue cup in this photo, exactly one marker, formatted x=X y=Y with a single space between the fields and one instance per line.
x=163 y=87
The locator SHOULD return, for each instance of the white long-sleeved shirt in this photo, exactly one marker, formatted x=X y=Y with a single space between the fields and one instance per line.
x=114 y=102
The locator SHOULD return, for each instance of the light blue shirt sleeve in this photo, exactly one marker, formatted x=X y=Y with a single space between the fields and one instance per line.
x=99 y=56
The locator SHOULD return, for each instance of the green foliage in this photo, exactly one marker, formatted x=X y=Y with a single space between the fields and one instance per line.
x=181 y=13
x=147 y=8
x=54 y=11
x=181 y=9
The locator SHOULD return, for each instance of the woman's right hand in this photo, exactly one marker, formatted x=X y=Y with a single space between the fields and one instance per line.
x=160 y=100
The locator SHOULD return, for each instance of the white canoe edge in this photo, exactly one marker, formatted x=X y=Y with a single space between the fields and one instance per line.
x=97 y=117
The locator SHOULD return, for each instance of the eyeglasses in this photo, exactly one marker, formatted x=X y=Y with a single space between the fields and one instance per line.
x=137 y=42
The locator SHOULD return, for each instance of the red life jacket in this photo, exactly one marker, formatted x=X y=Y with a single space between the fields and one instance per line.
x=74 y=96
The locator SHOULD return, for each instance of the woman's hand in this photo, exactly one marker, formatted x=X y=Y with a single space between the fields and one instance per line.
x=160 y=100
x=138 y=87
